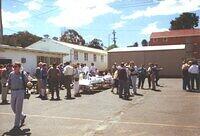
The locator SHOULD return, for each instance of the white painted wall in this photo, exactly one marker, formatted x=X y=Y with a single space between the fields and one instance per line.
x=48 y=45
x=101 y=65
x=31 y=58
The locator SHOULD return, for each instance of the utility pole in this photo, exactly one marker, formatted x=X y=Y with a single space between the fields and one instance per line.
x=114 y=37
x=1 y=24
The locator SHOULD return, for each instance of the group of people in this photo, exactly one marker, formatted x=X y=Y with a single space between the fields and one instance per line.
x=125 y=76
x=191 y=75
x=14 y=78
x=62 y=75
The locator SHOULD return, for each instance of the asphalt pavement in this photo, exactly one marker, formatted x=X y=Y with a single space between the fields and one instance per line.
x=167 y=112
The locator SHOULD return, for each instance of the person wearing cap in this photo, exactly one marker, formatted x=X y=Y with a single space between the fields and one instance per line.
x=4 y=77
x=16 y=82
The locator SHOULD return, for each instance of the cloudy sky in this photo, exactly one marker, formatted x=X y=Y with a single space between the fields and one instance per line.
x=133 y=20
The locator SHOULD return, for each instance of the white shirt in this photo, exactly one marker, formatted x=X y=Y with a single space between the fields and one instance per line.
x=86 y=69
x=68 y=70
x=93 y=69
x=194 y=69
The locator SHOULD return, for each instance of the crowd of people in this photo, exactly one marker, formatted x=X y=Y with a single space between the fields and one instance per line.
x=191 y=75
x=128 y=75
x=54 y=77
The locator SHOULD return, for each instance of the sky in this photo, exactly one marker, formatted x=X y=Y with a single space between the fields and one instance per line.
x=133 y=20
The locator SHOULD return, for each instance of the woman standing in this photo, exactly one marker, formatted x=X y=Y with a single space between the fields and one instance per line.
x=16 y=81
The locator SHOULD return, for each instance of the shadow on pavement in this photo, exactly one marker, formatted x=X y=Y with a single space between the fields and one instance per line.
x=25 y=132
x=193 y=91
x=137 y=94
x=90 y=92
x=4 y=103
x=157 y=90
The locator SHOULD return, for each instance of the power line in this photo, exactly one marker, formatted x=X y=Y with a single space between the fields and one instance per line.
x=135 y=5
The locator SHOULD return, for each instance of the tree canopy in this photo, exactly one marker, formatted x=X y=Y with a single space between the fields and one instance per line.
x=135 y=44
x=96 y=43
x=112 y=47
x=72 y=36
x=186 y=20
x=144 y=42
x=22 y=39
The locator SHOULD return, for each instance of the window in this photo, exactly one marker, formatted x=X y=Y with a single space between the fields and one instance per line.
x=164 y=39
x=95 y=57
x=86 y=56
x=48 y=60
x=75 y=55
x=102 y=58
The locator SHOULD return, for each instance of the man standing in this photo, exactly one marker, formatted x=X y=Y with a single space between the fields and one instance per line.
x=152 y=70
x=186 y=76
x=142 y=75
x=123 y=81
x=68 y=75
x=54 y=78
x=194 y=73
x=4 y=77
x=157 y=75
x=134 y=73
x=38 y=75
x=16 y=81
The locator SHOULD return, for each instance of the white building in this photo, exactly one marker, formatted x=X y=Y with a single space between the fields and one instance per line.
x=77 y=53
x=28 y=57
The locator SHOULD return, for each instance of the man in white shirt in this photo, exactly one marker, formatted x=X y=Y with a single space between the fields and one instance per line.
x=86 y=70
x=68 y=75
x=194 y=74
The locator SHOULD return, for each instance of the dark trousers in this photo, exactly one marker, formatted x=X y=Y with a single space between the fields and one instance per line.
x=68 y=81
x=124 y=88
x=149 y=81
x=141 y=81
x=194 y=78
x=157 y=78
x=186 y=82
x=54 y=86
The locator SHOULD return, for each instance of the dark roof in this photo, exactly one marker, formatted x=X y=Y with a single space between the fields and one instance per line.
x=176 y=33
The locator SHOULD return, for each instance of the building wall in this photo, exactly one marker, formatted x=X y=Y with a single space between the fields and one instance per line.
x=175 y=40
x=48 y=45
x=31 y=58
x=170 y=60
x=101 y=65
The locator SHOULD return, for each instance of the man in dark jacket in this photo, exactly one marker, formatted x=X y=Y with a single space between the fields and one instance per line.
x=123 y=81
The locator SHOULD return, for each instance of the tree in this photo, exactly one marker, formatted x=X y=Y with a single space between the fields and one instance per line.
x=144 y=42
x=55 y=38
x=135 y=44
x=186 y=20
x=22 y=39
x=112 y=47
x=46 y=36
x=72 y=36
x=96 y=43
